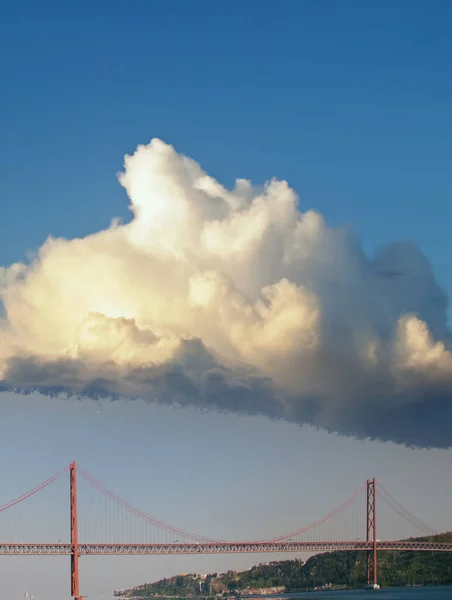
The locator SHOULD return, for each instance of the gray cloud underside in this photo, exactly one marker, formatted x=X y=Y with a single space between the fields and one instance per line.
x=425 y=422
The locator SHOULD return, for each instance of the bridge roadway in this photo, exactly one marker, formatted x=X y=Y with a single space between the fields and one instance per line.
x=216 y=548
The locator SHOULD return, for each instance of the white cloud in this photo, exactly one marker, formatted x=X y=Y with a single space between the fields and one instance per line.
x=232 y=299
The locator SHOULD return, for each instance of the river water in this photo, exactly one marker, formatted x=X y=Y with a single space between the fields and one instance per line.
x=406 y=593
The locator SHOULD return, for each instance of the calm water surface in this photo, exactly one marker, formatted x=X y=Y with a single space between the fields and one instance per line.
x=415 y=593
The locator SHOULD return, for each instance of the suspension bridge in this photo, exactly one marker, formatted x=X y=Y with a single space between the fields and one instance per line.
x=116 y=527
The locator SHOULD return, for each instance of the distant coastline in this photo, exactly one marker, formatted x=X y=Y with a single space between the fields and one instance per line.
x=284 y=596
x=331 y=571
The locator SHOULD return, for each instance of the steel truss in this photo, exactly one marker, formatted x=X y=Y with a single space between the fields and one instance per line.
x=75 y=549
x=60 y=549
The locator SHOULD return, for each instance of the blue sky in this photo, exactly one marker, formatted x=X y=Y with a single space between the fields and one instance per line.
x=348 y=101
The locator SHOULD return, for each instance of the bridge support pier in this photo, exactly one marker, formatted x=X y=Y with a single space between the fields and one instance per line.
x=75 y=593
x=371 y=520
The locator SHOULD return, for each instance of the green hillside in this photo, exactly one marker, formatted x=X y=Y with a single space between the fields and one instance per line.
x=339 y=568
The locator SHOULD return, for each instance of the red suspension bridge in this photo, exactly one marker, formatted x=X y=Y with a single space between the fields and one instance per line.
x=351 y=526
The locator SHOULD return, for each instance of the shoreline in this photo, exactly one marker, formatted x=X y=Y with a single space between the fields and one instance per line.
x=280 y=596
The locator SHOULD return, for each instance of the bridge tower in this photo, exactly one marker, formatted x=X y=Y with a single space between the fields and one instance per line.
x=74 y=533
x=371 y=529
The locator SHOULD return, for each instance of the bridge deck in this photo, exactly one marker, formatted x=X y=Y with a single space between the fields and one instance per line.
x=218 y=548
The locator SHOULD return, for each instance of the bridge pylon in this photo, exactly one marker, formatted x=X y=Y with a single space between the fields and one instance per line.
x=371 y=532
x=75 y=554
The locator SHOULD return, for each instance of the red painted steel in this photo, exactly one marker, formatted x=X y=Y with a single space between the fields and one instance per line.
x=371 y=530
x=374 y=487
x=75 y=553
x=61 y=549
x=200 y=545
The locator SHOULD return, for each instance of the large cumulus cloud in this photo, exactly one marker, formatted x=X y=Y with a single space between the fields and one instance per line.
x=234 y=300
